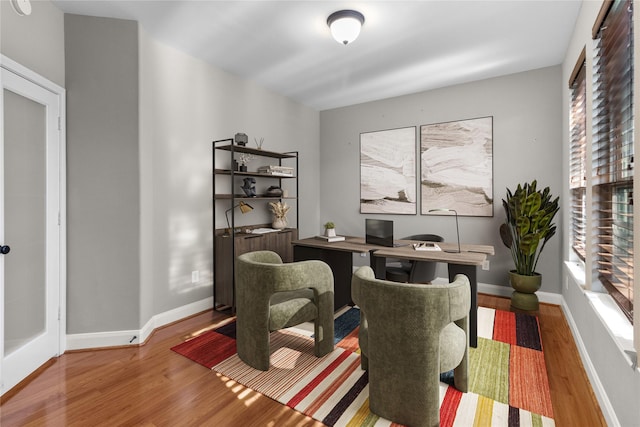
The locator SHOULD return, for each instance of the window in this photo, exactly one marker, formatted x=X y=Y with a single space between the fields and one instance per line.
x=612 y=152
x=578 y=179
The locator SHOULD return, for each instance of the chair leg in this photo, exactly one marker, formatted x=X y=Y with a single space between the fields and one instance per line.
x=418 y=406
x=323 y=326
x=461 y=374
x=253 y=347
x=364 y=361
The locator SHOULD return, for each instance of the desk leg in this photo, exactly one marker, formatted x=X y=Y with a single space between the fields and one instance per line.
x=341 y=264
x=470 y=272
x=378 y=265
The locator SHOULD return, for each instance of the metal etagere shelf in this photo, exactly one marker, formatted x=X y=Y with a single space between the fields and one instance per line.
x=230 y=241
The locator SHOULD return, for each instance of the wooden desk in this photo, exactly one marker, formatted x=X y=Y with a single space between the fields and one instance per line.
x=339 y=255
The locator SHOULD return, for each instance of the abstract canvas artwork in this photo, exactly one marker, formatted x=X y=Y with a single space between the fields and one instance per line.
x=456 y=166
x=388 y=171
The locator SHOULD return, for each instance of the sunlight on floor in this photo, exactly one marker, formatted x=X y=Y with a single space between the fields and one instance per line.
x=208 y=328
x=246 y=395
x=285 y=358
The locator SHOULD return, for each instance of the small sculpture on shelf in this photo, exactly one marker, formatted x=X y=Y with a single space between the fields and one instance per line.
x=249 y=187
x=241 y=138
x=273 y=191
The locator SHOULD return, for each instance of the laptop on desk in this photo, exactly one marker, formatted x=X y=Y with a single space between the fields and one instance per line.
x=380 y=232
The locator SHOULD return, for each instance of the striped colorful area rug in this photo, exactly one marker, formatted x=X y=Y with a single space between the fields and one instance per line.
x=508 y=378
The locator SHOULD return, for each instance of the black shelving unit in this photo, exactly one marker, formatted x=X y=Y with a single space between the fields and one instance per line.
x=228 y=244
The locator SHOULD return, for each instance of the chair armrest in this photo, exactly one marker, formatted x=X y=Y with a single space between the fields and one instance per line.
x=447 y=302
x=459 y=297
x=262 y=257
x=312 y=274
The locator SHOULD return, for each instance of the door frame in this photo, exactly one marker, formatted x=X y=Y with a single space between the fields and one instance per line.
x=27 y=74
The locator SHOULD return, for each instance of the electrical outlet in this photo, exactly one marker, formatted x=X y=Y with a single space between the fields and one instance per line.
x=485 y=264
x=195 y=276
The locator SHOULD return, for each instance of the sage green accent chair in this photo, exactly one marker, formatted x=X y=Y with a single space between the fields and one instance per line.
x=409 y=334
x=271 y=295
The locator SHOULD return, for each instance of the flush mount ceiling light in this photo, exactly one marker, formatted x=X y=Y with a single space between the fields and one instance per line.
x=345 y=25
x=21 y=7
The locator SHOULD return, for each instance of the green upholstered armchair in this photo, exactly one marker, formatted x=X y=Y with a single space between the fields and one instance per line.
x=409 y=334
x=271 y=295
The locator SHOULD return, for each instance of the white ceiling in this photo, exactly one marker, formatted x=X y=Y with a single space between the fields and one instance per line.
x=404 y=47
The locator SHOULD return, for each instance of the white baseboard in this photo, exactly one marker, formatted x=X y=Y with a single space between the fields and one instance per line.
x=134 y=337
x=605 y=404
x=505 y=291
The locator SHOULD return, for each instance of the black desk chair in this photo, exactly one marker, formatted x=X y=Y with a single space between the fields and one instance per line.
x=406 y=271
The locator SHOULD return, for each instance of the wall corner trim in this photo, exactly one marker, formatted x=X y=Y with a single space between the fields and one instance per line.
x=124 y=338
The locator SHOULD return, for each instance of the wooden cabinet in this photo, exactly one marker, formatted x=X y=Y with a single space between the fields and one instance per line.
x=229 y=242
x=227 y=248
x=282 y=243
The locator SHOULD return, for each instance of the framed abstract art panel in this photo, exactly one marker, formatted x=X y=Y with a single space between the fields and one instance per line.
x=388 y=171
x=456 y=166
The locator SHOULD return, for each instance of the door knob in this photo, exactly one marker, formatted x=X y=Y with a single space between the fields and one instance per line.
x=4 y=249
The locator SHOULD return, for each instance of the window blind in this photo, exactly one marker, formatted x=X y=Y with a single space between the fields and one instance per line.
x=612 y=152
x=578 y=144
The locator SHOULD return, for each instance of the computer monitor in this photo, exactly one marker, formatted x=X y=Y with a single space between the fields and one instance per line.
x=379 y=232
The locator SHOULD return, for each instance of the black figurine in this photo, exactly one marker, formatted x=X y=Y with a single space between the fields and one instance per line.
x=249 y=187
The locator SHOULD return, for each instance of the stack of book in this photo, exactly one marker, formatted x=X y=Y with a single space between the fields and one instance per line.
x=426 y=246
x=276 y=170
x=330 y=238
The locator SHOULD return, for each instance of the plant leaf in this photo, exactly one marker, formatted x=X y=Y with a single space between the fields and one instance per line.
x=529 y=243
x=523 y=224
x=532 y=204
x=505 y=235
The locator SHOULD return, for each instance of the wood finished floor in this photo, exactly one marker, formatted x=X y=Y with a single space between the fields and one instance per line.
x=151 y=385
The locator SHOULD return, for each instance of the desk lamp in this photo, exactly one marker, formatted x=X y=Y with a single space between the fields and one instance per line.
x=244 y=208
x=457 y=229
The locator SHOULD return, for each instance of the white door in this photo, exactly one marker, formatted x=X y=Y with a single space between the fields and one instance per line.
x=29 y=227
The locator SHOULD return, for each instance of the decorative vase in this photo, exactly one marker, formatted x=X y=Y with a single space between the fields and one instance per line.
x=524 y=295
x=330 y=232
x=279 y=223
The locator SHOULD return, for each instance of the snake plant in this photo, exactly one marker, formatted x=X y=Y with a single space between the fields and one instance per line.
x=528 y=226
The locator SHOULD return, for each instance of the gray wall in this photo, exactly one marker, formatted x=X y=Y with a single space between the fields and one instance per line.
x=103 y=195
x=139 y=169
x=527 y=145
x=185 y=104
x=35 y=41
